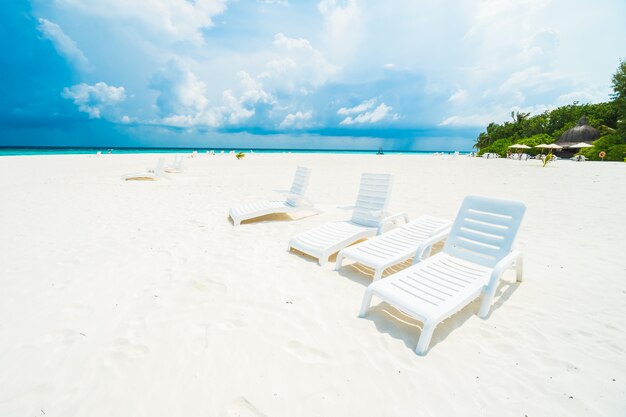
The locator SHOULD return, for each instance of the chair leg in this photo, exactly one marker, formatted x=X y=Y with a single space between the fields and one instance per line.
x=378 y=274
x=323 y=259
x=519 y=268
x=485 y=304
x=424 y=340
x=339 y=262
x=365 y=305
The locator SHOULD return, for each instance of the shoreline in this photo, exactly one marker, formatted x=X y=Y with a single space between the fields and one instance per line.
x=29 y=151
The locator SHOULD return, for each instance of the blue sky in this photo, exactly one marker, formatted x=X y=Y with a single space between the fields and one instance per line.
x=403 y=74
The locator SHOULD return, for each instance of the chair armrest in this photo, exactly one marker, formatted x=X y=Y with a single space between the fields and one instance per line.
x=515 y=257
x=302 y=200
x=504 y=264
x=424 y=248
x=390 y=219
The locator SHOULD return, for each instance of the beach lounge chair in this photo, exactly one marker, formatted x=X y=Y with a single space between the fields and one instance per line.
x=476 y=253
x=295 y=201
x=368 y=220
x=396 y=246
x=149 y=175
x=176 y=167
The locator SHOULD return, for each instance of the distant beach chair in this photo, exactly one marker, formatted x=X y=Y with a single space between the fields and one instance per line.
x=368 y=220
x=176 y=167
x=294 y=202
x=395 y=246
x=150 y=175
x=476 y=253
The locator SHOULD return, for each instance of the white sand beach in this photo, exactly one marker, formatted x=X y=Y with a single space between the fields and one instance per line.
x=141 y=298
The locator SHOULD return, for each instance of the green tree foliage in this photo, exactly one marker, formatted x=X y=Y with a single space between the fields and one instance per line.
x=609 y=118
x=612 y=145
x=535 y=140
x=619 y=98
x=500 y=146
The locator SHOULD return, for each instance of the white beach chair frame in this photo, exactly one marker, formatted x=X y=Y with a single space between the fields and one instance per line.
x=475 y=255
x=395 y=246
x=150 y=174
x=295 y=201
x=368 y=220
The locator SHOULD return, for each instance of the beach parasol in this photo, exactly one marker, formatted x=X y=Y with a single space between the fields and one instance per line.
x=581 y=145
x=542 y=147
x=553 y=146
x=520 y=147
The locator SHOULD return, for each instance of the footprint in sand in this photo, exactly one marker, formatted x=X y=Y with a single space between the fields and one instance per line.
x=241 y=407
x=230 y=324
x=65 y=337
x=306 y=353
x=124 y=349
x=209 y=285
x=78 y=310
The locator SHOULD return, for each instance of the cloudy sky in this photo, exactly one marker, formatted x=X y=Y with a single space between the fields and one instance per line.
x=404 y=74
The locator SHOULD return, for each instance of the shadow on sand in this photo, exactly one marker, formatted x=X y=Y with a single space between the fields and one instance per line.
x=401 y=326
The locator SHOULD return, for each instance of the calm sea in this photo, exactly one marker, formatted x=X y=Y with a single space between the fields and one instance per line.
x=13 y=151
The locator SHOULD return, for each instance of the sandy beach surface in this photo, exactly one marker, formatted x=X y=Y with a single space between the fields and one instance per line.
x=141 y=298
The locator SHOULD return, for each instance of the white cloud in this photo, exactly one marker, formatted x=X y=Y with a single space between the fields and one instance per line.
x=180 y=91
x=469 y=120
x=359 y=108
x=182 y=99
x=459 y=96
x=587 y=95
x=296 y=120
x=63 y=44
x=297 y=67
x=170 y=20
x=499 y=56
x=343 y=30
x=91 y=99
x=496 y=114
x=378 y=114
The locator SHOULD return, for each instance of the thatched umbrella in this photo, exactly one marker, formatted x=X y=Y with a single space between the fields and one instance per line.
x=553 y=146
x=580 y=145
x=519 y=146
x=582 y=132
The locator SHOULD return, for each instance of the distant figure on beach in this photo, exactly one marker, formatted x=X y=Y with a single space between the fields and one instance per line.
x=380 y=151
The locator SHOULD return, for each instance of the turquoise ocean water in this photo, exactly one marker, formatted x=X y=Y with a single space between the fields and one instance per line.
x=16 y=151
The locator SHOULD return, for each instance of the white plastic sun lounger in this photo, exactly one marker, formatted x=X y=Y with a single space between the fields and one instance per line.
x=294 y=202
x=176 y=167
x=368 y=219
x=476 y=253
x=396 y=246
x=150 y=175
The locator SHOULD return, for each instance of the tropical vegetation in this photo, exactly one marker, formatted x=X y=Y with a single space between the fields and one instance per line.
x=609 y=118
